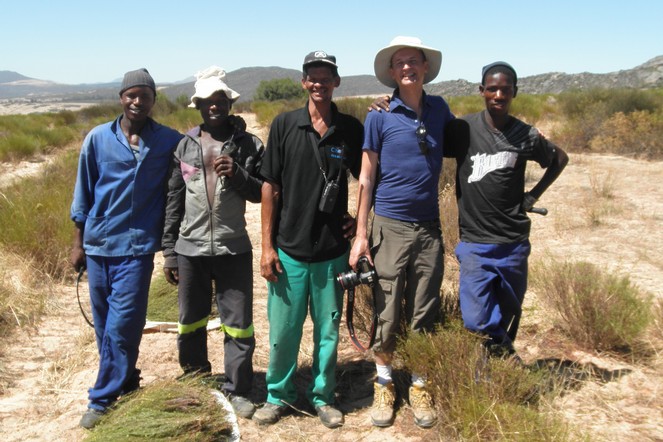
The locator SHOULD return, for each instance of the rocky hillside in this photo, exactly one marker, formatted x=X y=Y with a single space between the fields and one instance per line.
x=246 y=80
x=647 y=75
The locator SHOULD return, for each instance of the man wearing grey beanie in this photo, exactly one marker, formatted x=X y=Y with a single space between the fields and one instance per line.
x=118 y=212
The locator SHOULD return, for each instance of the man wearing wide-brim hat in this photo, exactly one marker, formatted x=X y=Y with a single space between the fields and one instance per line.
x=401 y=165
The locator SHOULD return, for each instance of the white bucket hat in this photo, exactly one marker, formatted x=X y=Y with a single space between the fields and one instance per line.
x=383 y=59
x=211 y=80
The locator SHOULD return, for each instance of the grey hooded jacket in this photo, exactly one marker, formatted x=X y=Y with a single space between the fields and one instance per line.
x=192 y=226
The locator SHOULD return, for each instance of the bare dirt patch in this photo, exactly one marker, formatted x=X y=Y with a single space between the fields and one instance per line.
x=52 y=365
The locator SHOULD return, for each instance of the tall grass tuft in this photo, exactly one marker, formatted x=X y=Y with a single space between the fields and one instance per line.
x=477 y=398
x=357 y=107
x=20 y=304
x=266 y=111
x=166 y=410
x=34 y=214
x=598 y=310
x=162 y=302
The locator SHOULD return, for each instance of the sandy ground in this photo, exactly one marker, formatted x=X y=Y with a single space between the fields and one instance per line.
x=27 y=106
x=54 y=364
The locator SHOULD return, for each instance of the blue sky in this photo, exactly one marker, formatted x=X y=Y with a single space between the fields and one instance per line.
x=91 y=41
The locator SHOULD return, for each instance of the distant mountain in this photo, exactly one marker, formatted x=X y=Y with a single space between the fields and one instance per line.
x=245 y=81
x=647 y=75
x=9 y=76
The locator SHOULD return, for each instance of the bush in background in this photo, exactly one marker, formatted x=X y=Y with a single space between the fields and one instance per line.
x=279 y=89
x=34 y=215
x=23 y=137
x=597 y=310
x=635 y=134
x=587 y=114
x=266 y=111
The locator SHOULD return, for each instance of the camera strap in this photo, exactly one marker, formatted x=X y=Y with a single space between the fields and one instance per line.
x=351 y=329
x=316 y=150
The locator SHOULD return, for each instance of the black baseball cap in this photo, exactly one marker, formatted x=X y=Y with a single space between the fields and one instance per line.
x=319 y=57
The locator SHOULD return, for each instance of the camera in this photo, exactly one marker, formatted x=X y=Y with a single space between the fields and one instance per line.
x=328 y=197
x=365 y=274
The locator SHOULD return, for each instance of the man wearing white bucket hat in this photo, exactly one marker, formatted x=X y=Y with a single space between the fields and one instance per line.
x=214 y=173
x=401 y=164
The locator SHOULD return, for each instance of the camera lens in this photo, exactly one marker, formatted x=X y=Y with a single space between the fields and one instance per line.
x=348 y=279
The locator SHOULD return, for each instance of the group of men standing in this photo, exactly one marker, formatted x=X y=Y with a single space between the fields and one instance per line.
x=123 y=217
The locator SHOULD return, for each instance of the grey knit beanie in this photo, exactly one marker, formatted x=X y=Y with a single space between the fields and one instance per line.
x=139 y=77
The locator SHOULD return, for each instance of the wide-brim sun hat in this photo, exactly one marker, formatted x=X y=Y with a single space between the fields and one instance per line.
x=209 y=81
x=382 y=61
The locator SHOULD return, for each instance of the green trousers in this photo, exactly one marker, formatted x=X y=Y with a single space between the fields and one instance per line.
x=300 y=288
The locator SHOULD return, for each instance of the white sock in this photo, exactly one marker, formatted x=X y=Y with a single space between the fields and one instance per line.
x=384 y=374
x=418 y=381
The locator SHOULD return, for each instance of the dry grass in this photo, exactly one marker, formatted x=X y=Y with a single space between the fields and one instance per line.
x=597 y=310
x=602 y=184
x=61 y=373
x=22 y=293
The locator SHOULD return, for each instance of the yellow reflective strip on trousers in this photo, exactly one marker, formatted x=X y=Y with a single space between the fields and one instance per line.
x=190 y=328
x=238 y=332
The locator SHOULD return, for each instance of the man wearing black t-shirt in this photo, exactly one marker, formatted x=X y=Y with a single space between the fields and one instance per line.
x=492 y=148
x=305 y=237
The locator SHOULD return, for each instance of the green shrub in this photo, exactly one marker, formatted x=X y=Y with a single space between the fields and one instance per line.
x=18 y=146
x=100 y=113
x=181 y=119
x=163 y=106
x=58 y=136
x=183 y=100
x=466 y=105
x=279 y=89
x=478 y=398
x=599 y=311
x=533 y=108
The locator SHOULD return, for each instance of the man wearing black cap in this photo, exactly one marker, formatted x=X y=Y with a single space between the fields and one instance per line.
x=305 y=237
x=118 y=210
x=491 y=149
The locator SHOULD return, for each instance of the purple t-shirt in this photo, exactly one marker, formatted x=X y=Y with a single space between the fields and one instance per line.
x=407 y=179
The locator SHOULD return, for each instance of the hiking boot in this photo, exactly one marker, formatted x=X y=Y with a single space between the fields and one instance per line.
x=422 y=406
x=242 y=406
x=269 y=414
x=329 y=416
x=91 y=418
x=382 y=414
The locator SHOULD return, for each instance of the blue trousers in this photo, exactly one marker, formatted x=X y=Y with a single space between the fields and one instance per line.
x=303 y=287
x=119 y=288
x=493 y=281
